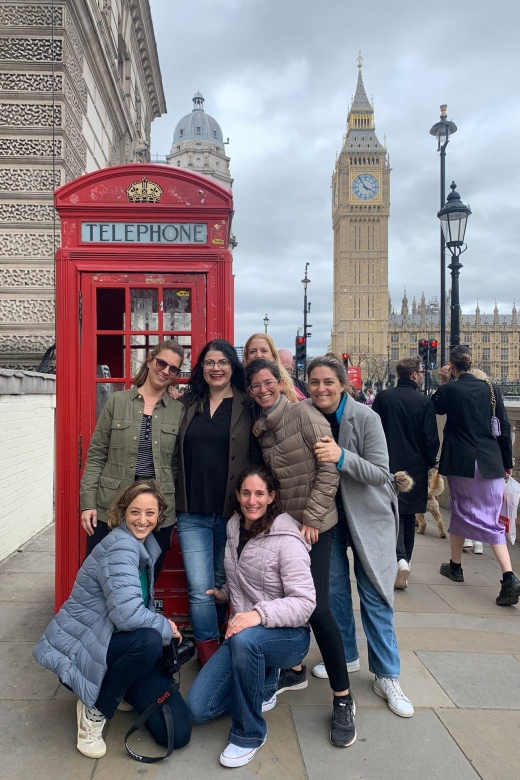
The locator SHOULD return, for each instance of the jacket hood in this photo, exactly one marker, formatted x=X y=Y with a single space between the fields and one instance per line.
x=283 y=525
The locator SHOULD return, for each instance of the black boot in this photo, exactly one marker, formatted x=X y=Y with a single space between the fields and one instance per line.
x=509 y=592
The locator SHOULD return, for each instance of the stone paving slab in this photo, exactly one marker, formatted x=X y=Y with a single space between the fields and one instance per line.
x=22 y=586
x=429 y=574
x=387 y=747
x=41 y=561
x=420 y=598
x=490 y=740
x=43 y=542
x=38 y=741
x=25 y=679
x=473 y=600
x=23 y=621
x=457 y=640
x=477 y=680
x=505 y=621
x=431 y=554
x=318 y=691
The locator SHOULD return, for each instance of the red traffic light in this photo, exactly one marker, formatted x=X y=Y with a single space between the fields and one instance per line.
x=433 y=343
x=424 y=343
x=345 y=356
x=300 y=340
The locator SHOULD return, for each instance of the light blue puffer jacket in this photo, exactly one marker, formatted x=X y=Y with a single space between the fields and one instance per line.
x=106 y=595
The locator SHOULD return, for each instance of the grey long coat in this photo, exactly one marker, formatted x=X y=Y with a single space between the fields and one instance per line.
x=106 y=595
x=369 y=495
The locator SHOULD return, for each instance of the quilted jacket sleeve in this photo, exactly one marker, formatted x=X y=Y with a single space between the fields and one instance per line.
x=97 y=456
x=119 y=579
x=371 y=467
x=299 y=601
x=325 y=486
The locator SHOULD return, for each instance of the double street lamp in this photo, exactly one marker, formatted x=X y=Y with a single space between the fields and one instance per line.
x=442 y=131
x=454 y=218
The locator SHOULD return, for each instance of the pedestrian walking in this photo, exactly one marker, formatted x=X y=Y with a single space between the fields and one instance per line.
x=368 y=522
x=260 y=345
x=287 y=361
x=215 y=444
x=135 y=438
x=270 y=589
x=287 y=434
x=476 y=455
x=105 y=642
x=412 y=439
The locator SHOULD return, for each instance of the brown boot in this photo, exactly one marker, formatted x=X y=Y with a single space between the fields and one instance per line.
x=206 y=649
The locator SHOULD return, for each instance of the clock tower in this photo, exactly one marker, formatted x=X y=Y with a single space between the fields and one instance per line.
x=360 y=211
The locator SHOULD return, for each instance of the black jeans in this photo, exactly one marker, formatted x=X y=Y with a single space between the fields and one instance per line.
x=325 y=628
x=162 y=536
x=406 y=537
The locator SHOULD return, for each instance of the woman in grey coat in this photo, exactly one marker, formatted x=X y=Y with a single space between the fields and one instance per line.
x=368 y=522
x=105 y=642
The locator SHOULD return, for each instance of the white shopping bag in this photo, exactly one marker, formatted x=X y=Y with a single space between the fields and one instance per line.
x=510 y=508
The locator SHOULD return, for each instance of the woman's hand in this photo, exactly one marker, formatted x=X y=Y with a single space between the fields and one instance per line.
x=89 y=520
x=445 y=373
x=311 y=534
x=327 y=451
x=243 y=620
x=175 y=630
x=218 y=595
x=173 y=392
x=507 y=474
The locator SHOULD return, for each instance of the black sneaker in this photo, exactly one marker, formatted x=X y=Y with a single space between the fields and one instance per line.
x=447 y=571
x=343 y=731
x=289 y=680
x=509 y=592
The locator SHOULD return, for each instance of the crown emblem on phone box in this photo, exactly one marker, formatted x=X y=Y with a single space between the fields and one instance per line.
x=144 y=191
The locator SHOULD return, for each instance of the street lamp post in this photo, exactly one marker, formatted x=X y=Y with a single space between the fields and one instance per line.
x=442 y=131
x=306 y=310
x=266 y=323
x=454 y=217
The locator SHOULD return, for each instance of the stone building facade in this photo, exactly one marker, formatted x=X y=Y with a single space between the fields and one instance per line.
x=79 y=88
x=494 y=339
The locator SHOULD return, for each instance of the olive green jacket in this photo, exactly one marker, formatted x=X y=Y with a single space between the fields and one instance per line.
x=113 y=449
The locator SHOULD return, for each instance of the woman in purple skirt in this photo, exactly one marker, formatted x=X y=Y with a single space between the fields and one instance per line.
x=476 y=460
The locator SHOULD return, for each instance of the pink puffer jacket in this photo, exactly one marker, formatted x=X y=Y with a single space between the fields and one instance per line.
x=273 y=574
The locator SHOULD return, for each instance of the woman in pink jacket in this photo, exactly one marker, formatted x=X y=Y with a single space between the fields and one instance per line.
x=272 y=596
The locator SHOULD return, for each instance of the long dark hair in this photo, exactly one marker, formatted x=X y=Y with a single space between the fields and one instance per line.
x=263 y=525
x=197 y=390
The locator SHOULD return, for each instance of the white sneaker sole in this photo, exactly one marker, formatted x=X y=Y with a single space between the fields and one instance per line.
x=401 y=581
x=243 y=760
x=84 y=749
x=298 y=687
x=269 y=705
x=352 y=666
x=390 y=707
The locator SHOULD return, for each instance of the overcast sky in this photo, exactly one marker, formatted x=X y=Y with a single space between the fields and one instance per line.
x=278 y=76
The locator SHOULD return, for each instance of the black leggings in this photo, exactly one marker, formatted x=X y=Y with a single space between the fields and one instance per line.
x=162 y=537
x=324 y=626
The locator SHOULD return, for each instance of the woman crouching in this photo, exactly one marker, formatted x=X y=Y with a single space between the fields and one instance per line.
x=272 y=596
x=105 y=642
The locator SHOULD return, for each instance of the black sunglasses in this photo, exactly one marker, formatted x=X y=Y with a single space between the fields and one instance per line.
x=162 y=364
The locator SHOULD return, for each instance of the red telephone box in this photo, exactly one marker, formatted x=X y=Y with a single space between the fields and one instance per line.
x=144 y=257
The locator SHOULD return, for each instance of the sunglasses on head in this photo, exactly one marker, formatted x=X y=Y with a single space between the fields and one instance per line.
x=162 y=365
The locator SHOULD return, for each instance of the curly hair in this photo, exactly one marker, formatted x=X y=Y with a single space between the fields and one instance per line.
x=117 y=510
x=140 y=378
x=263 y=524
x=197 y=390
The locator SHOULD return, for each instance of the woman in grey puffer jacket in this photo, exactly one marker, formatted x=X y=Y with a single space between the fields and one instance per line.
x=105 y=642
x=272 y=596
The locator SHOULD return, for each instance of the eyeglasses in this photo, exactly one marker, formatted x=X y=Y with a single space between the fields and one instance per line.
x=269 y=385
x=216 y=364
x=162 y=365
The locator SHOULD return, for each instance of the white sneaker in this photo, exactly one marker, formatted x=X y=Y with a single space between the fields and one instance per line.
x=90 y=734
x=391 y=691
x=236 y=756
x=478 y=548
x=467 y=543
x=320 y=671
x=270 y=704
x=124 y=706
x=403 y=572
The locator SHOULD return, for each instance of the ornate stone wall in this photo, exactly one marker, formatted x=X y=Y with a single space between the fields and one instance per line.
x=56 y=126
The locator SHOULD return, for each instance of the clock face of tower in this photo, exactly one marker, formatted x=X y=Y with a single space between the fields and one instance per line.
x=365 y=186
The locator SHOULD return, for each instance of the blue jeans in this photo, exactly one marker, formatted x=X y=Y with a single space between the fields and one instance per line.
x=241 y=675
x=376 y=615
x=203 y=543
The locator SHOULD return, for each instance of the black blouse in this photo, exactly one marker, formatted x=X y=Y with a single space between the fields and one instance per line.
x=206 y=458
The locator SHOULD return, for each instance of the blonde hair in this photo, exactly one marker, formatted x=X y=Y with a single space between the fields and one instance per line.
x=478 y=373
x=288 y=390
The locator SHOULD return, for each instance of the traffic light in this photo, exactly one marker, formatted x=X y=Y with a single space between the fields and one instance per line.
x=423 y=351
x=346 y=357
x=301 y=351
x=432 y=357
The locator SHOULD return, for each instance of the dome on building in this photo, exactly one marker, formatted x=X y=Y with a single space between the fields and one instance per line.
x=198 y=125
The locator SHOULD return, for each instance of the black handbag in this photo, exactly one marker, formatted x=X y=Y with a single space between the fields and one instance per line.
x=172 y=658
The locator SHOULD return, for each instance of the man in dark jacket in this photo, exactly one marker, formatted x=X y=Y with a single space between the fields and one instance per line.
x=413 y=443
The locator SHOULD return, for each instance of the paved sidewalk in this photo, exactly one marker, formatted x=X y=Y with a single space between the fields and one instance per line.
x=461 y=668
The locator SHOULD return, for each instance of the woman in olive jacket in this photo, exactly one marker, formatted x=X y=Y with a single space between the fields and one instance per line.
x=135 y=438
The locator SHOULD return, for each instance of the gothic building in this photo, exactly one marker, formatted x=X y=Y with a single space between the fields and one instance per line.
x=79 y=88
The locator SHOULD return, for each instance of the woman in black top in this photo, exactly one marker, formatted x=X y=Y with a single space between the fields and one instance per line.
x=216 y=443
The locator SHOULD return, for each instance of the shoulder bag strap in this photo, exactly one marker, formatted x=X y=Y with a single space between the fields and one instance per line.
x=161 y=702
x=493 y=397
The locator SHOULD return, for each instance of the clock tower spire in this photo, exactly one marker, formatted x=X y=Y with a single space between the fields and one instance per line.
x=360 y=211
